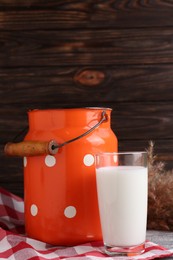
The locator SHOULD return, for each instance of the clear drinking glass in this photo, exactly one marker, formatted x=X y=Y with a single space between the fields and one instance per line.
x=122 y=188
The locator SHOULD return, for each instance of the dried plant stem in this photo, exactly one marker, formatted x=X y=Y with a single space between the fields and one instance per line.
x=160 y=193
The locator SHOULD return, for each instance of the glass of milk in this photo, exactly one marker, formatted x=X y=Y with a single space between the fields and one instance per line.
x=122 y=188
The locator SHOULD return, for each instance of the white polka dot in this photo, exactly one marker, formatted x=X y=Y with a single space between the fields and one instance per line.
x=70 y=212
x=25 y=161
x=88 y=160
x=50 y=160
x=34 y=210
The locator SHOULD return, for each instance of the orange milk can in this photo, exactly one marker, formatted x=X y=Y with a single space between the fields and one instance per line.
x=60 y=187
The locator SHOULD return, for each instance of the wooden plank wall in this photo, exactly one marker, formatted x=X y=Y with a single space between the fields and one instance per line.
x=73 y=53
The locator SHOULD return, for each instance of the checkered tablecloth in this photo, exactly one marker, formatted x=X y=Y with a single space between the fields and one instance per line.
x=15 y=245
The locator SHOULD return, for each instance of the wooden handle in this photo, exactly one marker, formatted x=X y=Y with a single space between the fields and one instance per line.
x=31 y=148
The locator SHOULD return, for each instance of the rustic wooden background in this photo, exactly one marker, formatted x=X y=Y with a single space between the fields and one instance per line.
x=72 y=53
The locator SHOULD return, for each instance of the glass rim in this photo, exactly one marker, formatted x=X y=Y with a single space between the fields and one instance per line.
x=122 y=153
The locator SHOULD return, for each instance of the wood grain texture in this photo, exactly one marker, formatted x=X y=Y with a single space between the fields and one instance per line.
x=35 y=14
x=54 y=85
x=99 y=47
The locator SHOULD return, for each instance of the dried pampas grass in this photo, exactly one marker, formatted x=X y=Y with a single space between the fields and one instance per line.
x=160 y=194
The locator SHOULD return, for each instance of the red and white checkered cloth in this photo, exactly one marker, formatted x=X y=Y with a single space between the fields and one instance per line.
x=14 y=244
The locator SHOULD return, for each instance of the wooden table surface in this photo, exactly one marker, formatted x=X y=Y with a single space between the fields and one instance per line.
x=163 y=238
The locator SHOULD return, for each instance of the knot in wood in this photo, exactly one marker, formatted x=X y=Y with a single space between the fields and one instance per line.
x=89 y=77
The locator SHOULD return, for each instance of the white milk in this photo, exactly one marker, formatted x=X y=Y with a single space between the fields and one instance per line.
x=122 y=194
